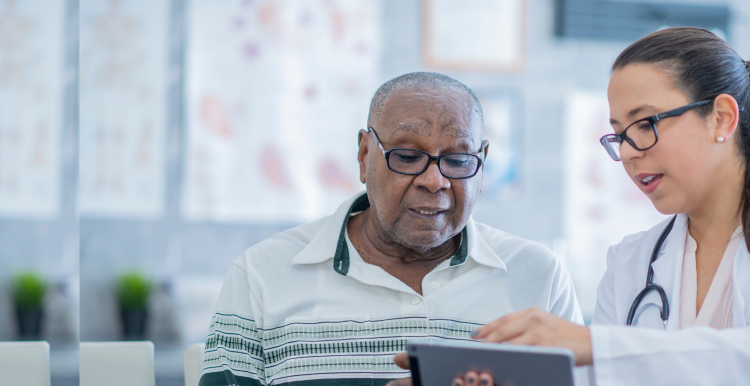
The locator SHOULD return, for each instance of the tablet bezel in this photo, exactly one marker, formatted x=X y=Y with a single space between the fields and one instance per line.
x=432 y=360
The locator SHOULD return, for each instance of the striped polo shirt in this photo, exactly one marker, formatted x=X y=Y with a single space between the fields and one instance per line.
x=303 y=307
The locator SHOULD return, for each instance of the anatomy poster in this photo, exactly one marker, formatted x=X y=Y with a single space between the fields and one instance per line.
x=602 y=204
x=502 y=127
x=276 y=92
x=123 y=80
x=31 y=82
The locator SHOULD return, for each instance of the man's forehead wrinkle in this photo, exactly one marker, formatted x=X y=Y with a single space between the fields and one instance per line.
x=459 y=133
x=458 y=125
x=417 y=127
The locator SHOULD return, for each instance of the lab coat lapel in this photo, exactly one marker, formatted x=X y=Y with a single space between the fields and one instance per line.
x=668 y=268
x=741 y=272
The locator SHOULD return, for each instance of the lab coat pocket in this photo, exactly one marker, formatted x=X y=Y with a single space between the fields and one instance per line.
x=307 y=346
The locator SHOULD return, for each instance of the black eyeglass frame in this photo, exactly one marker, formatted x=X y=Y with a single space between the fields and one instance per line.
x=652 y=121
x=387 y=154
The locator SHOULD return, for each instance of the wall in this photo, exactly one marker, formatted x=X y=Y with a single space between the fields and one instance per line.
x=172 y=249
x=50 y=246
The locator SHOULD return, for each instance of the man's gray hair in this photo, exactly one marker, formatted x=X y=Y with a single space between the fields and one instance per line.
x=418 y=80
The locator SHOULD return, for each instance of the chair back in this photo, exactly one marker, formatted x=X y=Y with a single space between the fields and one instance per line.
x=24 y=363
x=194 y=364
x=117 y=364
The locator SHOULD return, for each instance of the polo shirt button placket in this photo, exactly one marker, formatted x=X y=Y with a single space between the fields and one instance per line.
x=420 y=302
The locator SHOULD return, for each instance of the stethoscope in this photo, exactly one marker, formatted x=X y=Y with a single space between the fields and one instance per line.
x=650 y=285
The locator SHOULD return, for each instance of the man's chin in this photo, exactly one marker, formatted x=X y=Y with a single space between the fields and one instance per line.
x=423 y=241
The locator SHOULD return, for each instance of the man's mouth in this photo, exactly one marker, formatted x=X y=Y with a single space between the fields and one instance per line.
x=428 y=211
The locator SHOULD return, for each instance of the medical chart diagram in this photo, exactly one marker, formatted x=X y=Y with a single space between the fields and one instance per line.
x=276 y=92
x=31 y=83
x=123 y=66
x=602 y=205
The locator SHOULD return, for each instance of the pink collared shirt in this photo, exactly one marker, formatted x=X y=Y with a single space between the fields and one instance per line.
x=716 y=311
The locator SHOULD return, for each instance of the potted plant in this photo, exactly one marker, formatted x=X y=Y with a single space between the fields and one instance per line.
x=28 y=290
x=133 y=290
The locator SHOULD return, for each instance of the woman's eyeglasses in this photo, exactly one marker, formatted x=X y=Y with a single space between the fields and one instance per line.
x=413 y=162
x=641 y=134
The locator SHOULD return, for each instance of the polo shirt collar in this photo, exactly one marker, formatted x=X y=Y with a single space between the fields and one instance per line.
x=480 y=250
x=325 y=243
x=330 y=241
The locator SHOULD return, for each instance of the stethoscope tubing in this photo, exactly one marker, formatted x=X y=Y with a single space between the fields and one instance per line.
x=650 y=285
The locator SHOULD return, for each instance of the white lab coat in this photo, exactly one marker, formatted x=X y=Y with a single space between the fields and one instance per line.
x=648 y=355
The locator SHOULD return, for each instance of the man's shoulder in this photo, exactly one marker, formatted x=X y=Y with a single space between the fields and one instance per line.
x=514 y=249
x=279 y=249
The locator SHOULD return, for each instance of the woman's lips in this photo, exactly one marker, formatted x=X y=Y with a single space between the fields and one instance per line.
x=649 y=181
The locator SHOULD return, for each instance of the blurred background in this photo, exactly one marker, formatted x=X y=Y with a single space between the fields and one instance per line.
x=153 y=141
x=39 y=232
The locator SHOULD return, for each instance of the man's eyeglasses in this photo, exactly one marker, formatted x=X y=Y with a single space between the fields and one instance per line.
x=643 y=135
x=413 y=162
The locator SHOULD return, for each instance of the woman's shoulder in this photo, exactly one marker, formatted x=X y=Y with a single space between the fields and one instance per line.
x=644 y=239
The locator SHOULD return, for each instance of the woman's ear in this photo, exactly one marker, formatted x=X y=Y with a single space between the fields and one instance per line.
x=726 y=117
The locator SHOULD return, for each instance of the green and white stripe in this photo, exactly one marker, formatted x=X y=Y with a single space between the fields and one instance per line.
x=321 y=349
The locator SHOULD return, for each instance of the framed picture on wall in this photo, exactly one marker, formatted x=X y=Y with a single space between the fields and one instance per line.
x=474 y=35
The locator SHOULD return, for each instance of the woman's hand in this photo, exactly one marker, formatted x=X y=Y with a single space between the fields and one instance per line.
x=532 y=327
x=535 y=327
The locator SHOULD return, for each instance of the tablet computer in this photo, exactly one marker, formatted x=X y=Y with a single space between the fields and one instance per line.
x=435 y=363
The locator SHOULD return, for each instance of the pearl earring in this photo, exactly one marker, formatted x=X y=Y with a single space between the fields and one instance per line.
x=720 y=139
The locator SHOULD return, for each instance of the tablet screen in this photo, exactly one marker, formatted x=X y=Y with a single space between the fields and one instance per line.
x=439 y=362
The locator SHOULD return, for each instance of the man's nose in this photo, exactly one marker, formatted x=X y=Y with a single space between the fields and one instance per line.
x=432 y=179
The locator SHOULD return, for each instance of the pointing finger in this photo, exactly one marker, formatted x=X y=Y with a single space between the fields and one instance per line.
x=402 y=360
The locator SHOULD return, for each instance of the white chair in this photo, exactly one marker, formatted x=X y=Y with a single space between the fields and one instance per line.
x=117 y=363
x=193 y=363
x=24 y=363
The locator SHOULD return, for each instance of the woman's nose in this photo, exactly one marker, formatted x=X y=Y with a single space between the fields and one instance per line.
x=628 y=152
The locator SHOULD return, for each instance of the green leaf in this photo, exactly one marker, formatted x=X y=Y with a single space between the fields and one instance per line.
x=28 y=290
x=133 y=290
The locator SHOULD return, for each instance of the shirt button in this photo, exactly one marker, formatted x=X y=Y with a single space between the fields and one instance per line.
x=435 y=285
x=415 y=301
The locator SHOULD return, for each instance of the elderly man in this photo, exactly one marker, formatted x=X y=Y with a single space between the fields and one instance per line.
x=332 y=301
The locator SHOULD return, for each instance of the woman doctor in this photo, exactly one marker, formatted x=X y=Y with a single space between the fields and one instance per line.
x=679 y=103
x=680 y=107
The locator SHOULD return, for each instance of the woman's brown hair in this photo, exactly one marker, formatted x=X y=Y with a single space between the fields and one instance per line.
x=703 y=66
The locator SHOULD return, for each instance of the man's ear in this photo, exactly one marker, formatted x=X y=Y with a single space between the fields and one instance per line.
x=726 y=116
x=486 y=144
x=362 y=155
